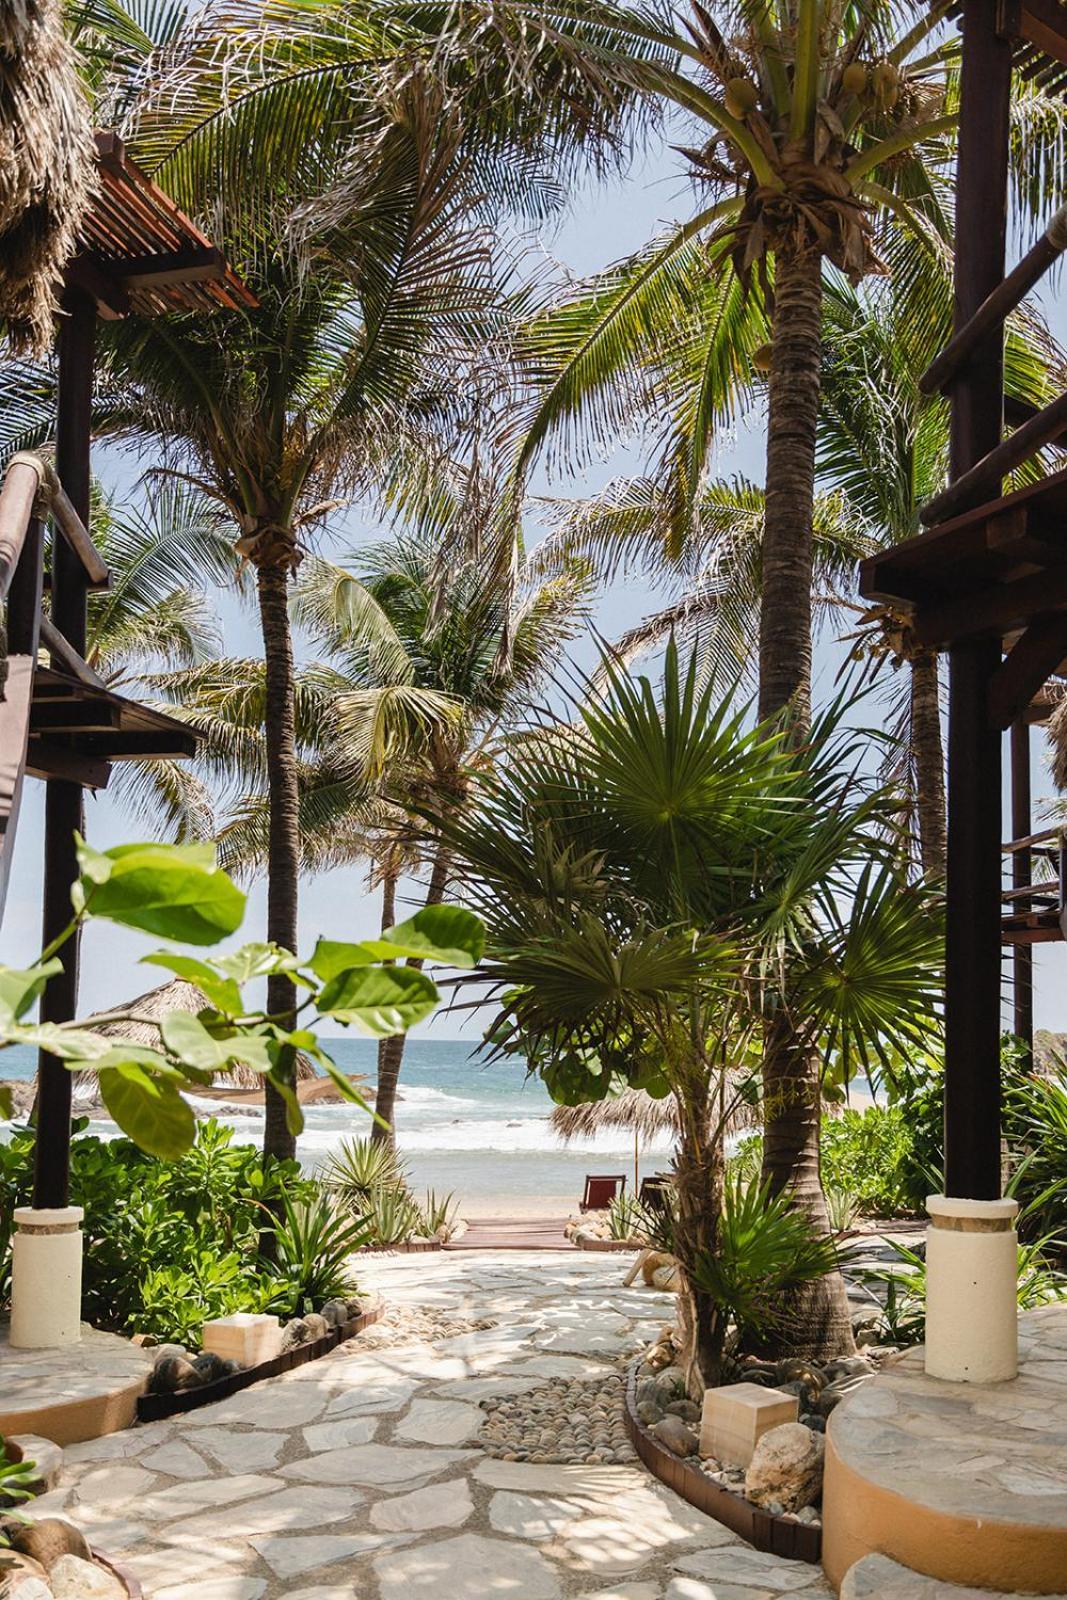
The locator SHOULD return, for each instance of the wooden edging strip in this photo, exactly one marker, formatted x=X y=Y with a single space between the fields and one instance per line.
x=154 y=1407
x=796 y=1541
x=123 y=1574
x=409 y=1247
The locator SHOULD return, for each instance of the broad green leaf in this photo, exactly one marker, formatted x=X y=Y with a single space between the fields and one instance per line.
x=150 y=1112
x=6 y=1102
x=223 y=992
x=186 y=1037
x=256 y=961
x=176 y=891
x=447 y=934
x=333 y=956
x=68 y=1044
x=20 y=988
x=122 y=1056
x=379 y=1000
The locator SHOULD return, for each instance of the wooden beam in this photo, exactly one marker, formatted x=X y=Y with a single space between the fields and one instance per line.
x=62 y=650
x=66 y=766
x=192 y=264
x=979 y=481
x=74 y=716
x=1025 y=669
x=973 y=909
x=111 y=299
x=74 y=531
x=22 y=485
x=993 y=611
x=64 y=810
x=141 y=745
x=14 y=732
x=997 y=305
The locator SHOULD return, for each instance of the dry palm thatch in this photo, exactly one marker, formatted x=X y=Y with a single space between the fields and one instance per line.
x=46 y=165
x=1057 y=734
x=633 y=1111
x=139 y=1024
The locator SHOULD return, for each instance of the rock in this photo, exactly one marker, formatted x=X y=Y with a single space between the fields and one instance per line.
x=672 y=1432
x=688 y=1410
x=786 y=1466
x=16 y=1568
x=212 y=1367
x=173 y=1374
x=165 y=1352
x=50 y=1538
x=835 y=1392
x=316 y=1325
x=807 y=1514
x=47 y=1457
x=74 y=1579
x=669 y=1385
x=665 y=1278
x=849 y=1367
x=294 y=1333
x=652 y=1263
x=354 y=1307
x=649 y=1412
x=335 y=1313
x=29 y=1588
x=646 y=1389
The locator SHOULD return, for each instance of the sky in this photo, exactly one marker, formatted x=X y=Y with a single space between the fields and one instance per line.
x=604 y=224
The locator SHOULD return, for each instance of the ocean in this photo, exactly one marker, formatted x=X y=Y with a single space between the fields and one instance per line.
x=479 y=1131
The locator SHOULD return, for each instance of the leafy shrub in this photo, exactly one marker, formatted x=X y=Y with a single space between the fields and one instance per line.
x=172 y=1244
x=1039 y=1283
x=1035 y=1127
x=764 y=1249
x=358 y=1167
x=438 y=1213
x=392 y=1217
x=369 y=1179
x=871 y=1155
x=626 y=1217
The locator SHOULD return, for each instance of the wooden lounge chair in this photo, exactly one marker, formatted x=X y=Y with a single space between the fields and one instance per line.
x=655 y=1193
x=600 y=1190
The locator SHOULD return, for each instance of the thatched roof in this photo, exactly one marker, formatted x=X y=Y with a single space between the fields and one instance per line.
x=47 y=165
x=635 y=1112
x=141 y=1026
x=1057 y=736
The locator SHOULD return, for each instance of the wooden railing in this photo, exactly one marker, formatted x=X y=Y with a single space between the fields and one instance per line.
x=1036 y=909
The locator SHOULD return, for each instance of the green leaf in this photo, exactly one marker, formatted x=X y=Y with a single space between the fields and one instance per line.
x=256 y=961
x=76 y=1045
x=186 y=1037
x=20 y=988
x=176 y=891
x=447 y=934
x=223 y=992
x=149 y=1111
x=379 y=1000
x=333 y=956
x=6 y=1103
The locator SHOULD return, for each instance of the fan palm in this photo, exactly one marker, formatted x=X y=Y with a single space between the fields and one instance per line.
x=660 y=883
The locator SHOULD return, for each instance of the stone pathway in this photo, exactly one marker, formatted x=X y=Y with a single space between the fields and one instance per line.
x=356 y=1477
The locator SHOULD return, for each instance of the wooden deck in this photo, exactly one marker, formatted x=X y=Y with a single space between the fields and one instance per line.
x=514 y=1233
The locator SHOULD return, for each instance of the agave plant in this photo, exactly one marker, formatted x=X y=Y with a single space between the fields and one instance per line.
x=315 y=1241
x=438 y=1213
x=392 y=1217
x=359 y=1168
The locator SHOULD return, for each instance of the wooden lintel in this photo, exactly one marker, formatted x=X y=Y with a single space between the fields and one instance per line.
x=1027 y=667
x=1044 y=23
x=44 y=760
x=74 y=715
x=112 y=299
x=148 y=744
x=995 y=610
x=193 y=264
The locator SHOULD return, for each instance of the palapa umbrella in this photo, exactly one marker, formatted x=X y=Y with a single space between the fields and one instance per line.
x=139 y=1024
x=638 y=1113
x=47 y=165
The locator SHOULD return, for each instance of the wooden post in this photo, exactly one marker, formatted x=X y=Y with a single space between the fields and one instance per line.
x=973 y=947
x=63 y=799
x=1022 y=874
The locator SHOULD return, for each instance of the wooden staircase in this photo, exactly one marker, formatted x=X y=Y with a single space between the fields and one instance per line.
x=58 y=719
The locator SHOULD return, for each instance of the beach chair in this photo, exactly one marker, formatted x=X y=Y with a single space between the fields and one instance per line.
x=601 y=1190
x=655 y=1193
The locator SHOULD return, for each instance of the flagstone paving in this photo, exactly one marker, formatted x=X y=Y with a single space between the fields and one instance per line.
x=356 y=1477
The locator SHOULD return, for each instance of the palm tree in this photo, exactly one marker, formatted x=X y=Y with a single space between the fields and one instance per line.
x=643 y=874
x=401 y=715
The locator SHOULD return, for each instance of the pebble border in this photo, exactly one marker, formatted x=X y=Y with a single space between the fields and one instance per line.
x=780 y=1536
x=156 y=1407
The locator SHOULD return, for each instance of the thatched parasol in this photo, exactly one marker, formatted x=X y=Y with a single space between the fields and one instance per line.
x=47 y=165
x=1057 y=735
x=634 y=1111
x=140 y=1025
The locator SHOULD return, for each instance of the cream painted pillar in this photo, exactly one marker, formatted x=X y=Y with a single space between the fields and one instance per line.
x=972 y=1318
x=46 y=1278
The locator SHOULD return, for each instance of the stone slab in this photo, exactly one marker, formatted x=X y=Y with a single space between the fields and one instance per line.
x=467 y=1567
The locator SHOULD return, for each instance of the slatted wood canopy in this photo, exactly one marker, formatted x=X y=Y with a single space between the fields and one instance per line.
x=988 y=583
x=140 y=256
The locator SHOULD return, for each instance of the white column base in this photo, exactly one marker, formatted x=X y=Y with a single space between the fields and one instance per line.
x=972 y=1317
x=46 y=1278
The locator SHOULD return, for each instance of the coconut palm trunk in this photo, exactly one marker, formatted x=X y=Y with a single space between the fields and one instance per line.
x=391 y=1050
x=820 y=1326
x=698 y=1166
x=283 y=860
x=928 y=757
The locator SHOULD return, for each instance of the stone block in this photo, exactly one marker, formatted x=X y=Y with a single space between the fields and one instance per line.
x=248 y=1337
x=736 y=1416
